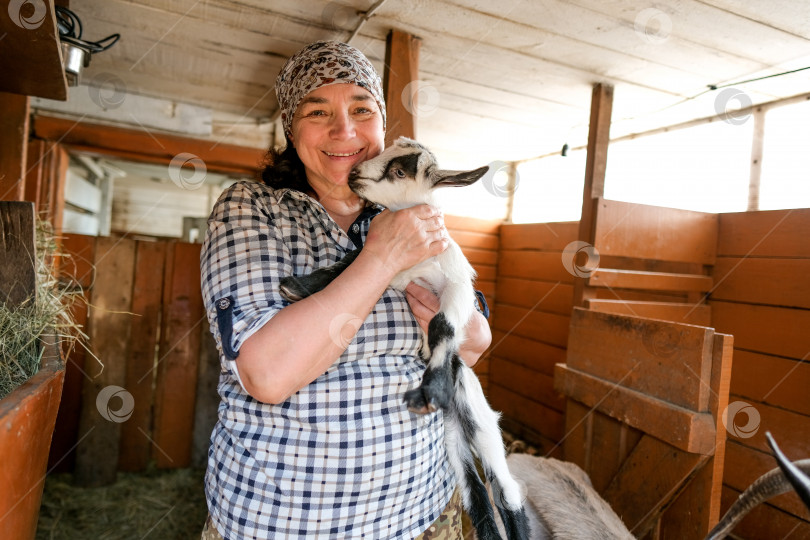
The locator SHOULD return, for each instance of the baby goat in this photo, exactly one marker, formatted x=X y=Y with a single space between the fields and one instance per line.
x=404 y=175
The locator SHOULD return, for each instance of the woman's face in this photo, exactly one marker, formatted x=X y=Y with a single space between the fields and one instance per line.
x=334 y=128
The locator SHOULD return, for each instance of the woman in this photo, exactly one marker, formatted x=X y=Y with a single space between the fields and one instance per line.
x=313 y=438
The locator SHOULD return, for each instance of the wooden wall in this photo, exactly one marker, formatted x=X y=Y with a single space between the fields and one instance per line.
x=146 y=324
x=762 y=297
x=533 y=295
x=478 y=239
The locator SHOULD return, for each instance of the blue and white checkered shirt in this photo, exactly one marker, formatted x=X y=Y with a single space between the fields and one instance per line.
x=343 y=457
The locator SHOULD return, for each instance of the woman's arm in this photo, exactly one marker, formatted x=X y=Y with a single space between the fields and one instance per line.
x=302 y=340
x=425 y=304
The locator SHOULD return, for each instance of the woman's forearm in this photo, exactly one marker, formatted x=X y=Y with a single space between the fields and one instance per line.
x=302 y=340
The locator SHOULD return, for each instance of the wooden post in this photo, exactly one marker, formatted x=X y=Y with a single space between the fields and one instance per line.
x=401 y=69
x=18 y=275
x=756 y=160
x=14 y=110
x=595 y=166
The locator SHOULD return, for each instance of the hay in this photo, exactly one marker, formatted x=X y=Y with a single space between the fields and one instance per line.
x=158 y=504
x=22 y=326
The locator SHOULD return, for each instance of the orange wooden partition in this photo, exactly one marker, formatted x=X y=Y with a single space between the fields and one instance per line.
x=645 y=399
x=148 y=331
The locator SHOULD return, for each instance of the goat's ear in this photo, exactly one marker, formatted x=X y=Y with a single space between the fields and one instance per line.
x=458 y=178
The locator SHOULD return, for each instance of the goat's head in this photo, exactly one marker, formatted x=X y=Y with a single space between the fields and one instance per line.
x=404 y=175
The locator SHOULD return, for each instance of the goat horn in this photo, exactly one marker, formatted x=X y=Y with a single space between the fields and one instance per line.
x=770 y=484
x=799 y=480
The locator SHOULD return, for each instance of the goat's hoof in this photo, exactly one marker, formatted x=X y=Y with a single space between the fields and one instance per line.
x=417 y=402
x=290 y=290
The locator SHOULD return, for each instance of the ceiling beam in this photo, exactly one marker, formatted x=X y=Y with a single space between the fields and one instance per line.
x=400 y=80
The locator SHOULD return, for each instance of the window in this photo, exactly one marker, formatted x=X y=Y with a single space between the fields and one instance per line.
x=785 y=179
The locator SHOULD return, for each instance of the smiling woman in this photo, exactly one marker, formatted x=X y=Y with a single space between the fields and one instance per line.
x=312 y=433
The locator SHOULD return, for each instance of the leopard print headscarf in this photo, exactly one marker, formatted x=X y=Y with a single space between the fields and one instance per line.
x=321 y=64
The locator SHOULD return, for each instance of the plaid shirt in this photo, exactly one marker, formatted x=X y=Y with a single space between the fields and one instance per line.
x=343 y=457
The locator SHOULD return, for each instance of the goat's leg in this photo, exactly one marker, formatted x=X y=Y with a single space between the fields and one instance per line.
x=484 y=435
x=436 y=390
x=474 y=495
x=297 y=288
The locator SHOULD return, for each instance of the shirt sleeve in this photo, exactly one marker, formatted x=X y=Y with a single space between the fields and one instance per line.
x=242 y=260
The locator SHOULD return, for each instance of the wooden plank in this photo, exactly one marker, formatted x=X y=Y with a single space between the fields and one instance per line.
x=75 y=268
x=664 y=360
x=595 y=167
x=682 y=428
x=773 y=233
x=788 y=426
x=108 y=329
x=777 y=381
x=545 y=295
x=700 y=315
x=765 y=521
x=686 y=519
x=18 y=254
x=578 y=434
x=480 y=256
x=606 y=451
x=744 y=465
x=178 y=357
x=539 y=236
x=60 y=163
x=14 y=112
x=527 y=412
x=147 y=147
x=146 y=306
x=647 y=479
x=654 y=232
x=526 y=352
x=400 y=85
x=526 y=382
x=764 y=329
x=34 y=172
x=773 y=281
x=472 y=239
x=31 y=53
x=628 y=279
x=545 y=327
x=536 y=265
x=207 y=399
x=489 y=227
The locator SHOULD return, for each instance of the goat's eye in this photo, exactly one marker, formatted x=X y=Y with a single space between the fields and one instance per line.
x=400 y=173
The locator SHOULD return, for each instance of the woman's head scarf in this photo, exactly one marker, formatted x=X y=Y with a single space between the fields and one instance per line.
x=321 y=64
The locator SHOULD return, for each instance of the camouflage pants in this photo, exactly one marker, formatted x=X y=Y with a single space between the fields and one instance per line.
x=446 y=527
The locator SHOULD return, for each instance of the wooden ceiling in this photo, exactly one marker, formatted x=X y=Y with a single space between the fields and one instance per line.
x=501 y=80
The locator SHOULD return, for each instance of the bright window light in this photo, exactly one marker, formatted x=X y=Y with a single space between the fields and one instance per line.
x=785 y=180
x=550 y=189
x=704 y=168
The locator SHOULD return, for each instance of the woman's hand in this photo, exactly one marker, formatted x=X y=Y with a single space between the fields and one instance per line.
x=425 y=304
x=402 y=239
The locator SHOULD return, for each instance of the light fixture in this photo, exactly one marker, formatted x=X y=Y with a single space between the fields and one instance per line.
x=76 y=52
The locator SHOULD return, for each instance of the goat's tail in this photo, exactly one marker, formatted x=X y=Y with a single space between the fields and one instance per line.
x=770 y=484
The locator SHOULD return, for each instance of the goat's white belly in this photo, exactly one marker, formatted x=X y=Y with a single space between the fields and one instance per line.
x=428 y=274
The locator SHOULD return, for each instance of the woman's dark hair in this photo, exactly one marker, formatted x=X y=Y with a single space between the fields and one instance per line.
x=284 y=169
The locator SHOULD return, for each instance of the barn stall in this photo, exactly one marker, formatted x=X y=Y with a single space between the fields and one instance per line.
x=621 y=339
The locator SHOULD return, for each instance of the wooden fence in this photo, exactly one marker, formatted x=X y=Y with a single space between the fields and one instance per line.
x=147 y=328
x=533 y=299
x=762 y=296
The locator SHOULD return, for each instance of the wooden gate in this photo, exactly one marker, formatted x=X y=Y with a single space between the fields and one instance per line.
x=643 y=418
x=148 y=330
x=646 y=378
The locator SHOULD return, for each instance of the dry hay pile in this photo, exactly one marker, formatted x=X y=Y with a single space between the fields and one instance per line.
x=157 y=504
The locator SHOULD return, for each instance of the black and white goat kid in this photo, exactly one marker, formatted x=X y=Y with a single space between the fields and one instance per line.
x=404 y=175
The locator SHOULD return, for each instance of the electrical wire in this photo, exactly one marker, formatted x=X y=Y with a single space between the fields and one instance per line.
x=70 y=30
